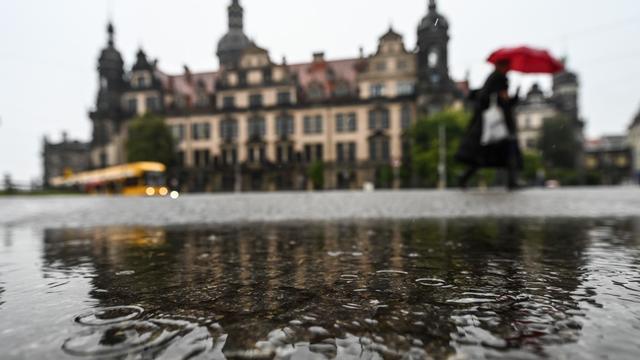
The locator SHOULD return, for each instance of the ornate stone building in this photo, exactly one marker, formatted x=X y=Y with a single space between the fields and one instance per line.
x=260 y=124
x=537 y=107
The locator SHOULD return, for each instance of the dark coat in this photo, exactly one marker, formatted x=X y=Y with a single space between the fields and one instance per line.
x=471 y=151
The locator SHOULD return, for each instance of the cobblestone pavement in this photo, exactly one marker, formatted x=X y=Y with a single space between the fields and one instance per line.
x=72 y=211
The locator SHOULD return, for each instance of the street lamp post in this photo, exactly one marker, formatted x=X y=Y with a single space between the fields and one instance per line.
x=442 y=165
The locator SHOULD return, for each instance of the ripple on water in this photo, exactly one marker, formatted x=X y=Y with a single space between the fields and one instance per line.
x=117 y=339
x=431 y=282
x=109 y=315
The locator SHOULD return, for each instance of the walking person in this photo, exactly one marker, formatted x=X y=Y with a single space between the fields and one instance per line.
x=505 y=153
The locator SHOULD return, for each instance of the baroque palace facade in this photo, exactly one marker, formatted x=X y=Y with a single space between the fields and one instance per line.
x=258 y=124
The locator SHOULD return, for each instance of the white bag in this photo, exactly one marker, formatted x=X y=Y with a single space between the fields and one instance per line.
x=494 y=128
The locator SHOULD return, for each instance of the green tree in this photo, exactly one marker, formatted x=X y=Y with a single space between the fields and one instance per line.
x=426 y=145
x=315 y=172
x=150 y=139
x=559 y=144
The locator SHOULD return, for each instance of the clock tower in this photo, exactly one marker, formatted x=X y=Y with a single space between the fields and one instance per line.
x=435 y=89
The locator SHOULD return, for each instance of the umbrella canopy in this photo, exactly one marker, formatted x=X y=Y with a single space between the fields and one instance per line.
x=527 y=60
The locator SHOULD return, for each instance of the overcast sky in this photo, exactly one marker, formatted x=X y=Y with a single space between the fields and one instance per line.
x=49 y=49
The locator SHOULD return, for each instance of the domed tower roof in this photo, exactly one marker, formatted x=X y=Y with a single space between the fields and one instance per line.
x=141 y=62
x=234 y=42
x=434 y=20
x=110 y=63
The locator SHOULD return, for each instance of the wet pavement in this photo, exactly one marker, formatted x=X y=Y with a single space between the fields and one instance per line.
x=443 y=288
x=76 y=211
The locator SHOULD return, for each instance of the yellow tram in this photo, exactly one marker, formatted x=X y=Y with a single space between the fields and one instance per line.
x=135 y=179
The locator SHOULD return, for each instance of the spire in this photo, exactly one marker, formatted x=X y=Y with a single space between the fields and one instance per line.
x=432 y=5
x=235 y=12
x=110 y=31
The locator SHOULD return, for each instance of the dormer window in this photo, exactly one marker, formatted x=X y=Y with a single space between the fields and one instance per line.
x=316 y=91
x=342 y=89
x=141 y=82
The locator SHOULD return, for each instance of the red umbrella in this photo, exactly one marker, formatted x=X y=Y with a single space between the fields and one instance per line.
x=527 y=60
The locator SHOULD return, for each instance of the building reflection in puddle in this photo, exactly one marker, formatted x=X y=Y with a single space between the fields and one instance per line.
x=387 y=289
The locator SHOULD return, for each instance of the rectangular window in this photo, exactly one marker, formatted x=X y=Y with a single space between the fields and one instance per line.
x=385 y=149
x=351 y=156
x=228 y=102
x=132 y=106
x=178 y=132
x=142 y=82
x=381 y=66
x=267 y=76
x=257 y=127
x=229 y=156
x=405 y=88
x=377 y=90
x=284 y=98
x=313 y=152
x=284 y=126
x=228 y=129
x=201 y=158
x=284 y=153
x=313 y=124
x=405 y=117
x=379 y=149
x=255 y=100
x=373 y=149
x=346 y=152
x=200 y=131
x=379 y=119
x=340 y=123
x=346 y=122
x=352 y=125
x=153 y=103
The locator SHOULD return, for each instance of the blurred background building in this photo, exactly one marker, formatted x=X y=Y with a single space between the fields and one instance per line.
x=634 y=143
x=64 y=157
x=263 y=124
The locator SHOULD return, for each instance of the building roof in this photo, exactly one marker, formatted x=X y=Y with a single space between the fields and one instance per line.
x=434 y=19
x=607 y=143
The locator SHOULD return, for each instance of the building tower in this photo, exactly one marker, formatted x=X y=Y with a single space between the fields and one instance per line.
x=234 y=42
x=435 y=88
x=565 y=93
x=107 y=115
